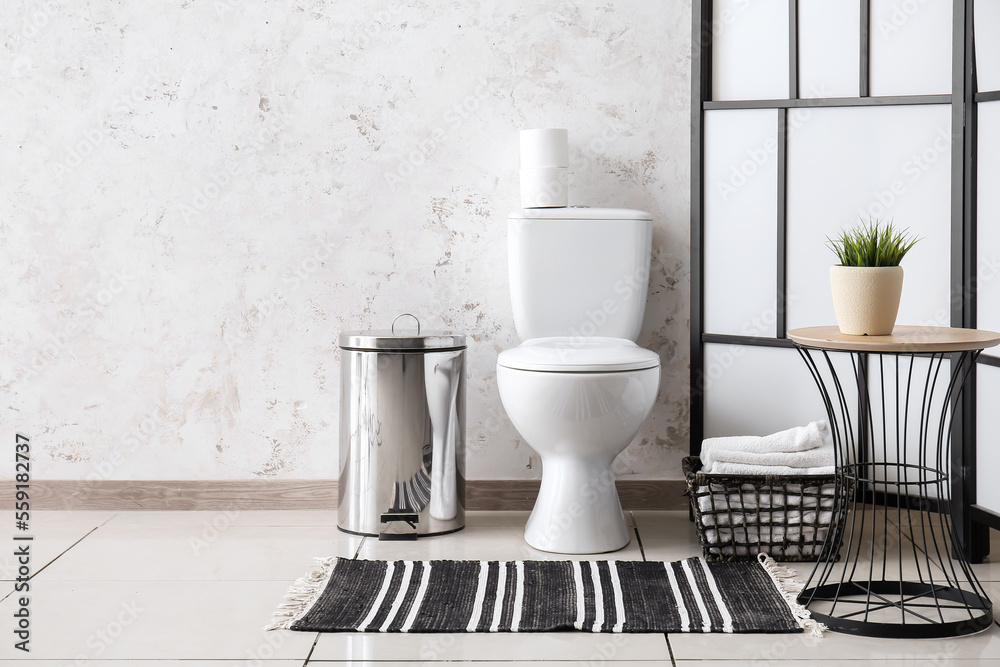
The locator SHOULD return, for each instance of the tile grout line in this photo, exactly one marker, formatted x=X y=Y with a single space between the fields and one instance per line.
x=60 y=555
x=638 y=540
x=311 y=650
x=64 y=551
x=85 y=536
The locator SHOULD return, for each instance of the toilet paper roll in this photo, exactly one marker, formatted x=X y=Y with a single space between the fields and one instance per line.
x=547 y=187
x=544 y=148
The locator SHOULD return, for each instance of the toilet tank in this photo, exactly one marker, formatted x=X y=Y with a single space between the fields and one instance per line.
x=578 y=271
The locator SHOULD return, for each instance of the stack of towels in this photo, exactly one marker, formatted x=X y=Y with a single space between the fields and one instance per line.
x=784 y=520
x=803 y=450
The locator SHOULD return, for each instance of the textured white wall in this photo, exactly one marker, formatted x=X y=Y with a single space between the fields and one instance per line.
x=195 y=198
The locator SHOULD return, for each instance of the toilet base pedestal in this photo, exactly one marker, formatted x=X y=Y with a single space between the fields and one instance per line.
x=577 y=510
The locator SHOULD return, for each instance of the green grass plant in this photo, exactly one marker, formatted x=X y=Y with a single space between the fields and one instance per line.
x=872 y=243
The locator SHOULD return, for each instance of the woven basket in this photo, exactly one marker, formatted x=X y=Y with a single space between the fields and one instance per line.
x=739 y=516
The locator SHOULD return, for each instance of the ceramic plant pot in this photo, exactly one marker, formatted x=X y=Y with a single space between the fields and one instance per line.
x=866 y=298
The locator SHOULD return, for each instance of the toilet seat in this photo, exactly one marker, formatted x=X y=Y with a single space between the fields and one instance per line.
x=575 y=354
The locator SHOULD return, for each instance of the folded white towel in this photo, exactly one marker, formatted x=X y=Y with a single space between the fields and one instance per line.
x=793 y=491
x=808 y=552
x=811 y=458
x=764 y=534
x=768 y=501
x=770 y=540
x=798 y=439
x=727 y=468
x=789 y=517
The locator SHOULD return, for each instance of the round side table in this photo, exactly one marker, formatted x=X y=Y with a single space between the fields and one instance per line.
x=900 y=572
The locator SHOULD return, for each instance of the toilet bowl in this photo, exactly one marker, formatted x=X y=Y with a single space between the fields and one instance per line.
x=578 y=403
x=578 y=388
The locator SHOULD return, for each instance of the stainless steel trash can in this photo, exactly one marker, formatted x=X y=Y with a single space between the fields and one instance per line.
x=402 y=433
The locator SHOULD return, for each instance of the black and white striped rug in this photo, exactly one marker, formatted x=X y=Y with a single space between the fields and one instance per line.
x=346 y=595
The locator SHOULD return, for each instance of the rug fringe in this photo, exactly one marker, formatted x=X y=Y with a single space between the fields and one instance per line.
x=789 y=587
x=302 y=595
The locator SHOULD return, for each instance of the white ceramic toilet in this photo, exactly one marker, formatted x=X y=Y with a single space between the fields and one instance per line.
x=578 y=388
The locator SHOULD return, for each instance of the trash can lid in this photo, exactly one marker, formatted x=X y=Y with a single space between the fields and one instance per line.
x=386 y=340
x=391 y=340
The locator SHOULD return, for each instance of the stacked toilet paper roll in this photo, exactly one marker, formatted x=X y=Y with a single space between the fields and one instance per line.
x=544 y=168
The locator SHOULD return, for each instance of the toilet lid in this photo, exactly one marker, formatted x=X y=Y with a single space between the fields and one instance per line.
x=576 y=354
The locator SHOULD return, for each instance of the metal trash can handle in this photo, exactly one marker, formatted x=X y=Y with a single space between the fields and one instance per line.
x=393 y=328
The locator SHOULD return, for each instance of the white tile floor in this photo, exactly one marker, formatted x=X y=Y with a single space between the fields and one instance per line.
x=194 y=589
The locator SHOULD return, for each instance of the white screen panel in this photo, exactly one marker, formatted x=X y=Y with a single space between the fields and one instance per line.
x=988 y=437
x=987 y=19
x=750 y=50
x=829 y=48
x=884 y=162
x=988 y=214
x=740 y=232
x=911 y=47
x=757 y=390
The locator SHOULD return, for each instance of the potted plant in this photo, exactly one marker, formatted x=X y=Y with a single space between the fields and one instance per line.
x=867 y=283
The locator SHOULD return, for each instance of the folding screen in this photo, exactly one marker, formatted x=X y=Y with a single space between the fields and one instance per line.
x=808 y=115
x=986 y=279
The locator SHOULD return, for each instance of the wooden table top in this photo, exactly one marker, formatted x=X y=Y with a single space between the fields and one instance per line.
x=903 y=338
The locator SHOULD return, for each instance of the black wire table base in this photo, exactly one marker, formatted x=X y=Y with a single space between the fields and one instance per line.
x=895 y=601
x=902 y=571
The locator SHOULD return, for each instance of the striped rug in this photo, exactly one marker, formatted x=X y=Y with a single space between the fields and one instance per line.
x=346 y=595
